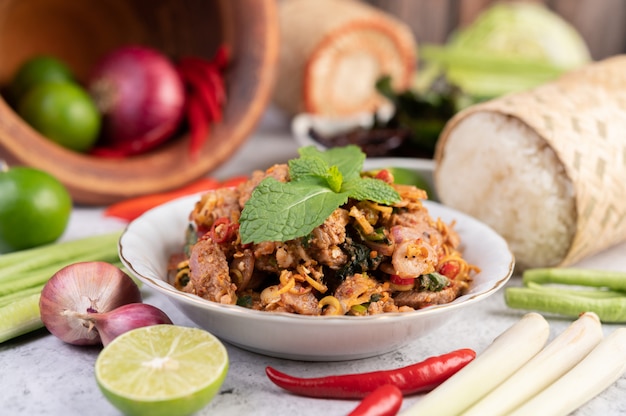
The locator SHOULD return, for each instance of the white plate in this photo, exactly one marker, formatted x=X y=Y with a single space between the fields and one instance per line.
x=147 y=243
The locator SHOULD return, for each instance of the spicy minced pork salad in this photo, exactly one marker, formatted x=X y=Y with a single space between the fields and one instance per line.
x=318 y=236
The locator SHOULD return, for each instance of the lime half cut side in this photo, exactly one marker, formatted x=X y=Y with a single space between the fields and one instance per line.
x=162 y=370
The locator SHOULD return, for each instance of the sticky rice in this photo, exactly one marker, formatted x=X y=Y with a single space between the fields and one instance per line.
x=513 y=182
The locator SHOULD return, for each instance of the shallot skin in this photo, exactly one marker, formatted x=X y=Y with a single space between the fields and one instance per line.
x=78 y=290
x=114 y=323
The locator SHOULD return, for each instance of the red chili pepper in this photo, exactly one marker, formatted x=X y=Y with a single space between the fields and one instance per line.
x=198 y=125
x=416 y=378
x=384 y=401
x=206 y=71
x=120 y=151
x=221 y=57
x=132 y=208
x=199 y=84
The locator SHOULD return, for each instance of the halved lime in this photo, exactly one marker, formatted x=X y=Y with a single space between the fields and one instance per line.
x=162 y=370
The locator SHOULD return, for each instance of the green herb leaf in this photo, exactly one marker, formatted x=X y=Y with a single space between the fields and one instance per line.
x=320 y=182
x=348 y=159
x=370 y=189
x=334 y=179
x=278 y=211
x=433 y=282
x=307 y=166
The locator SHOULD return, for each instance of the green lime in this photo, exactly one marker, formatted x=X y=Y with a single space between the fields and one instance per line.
x=38 y=70
x=34 y=208
x=164 y=370
x=63 y=112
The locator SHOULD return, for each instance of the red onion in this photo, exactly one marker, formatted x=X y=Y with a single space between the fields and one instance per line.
x=125 y=318
x=81 y=289
x=140 y=95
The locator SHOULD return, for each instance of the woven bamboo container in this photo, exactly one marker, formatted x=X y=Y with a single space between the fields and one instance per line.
x=581 y=120
x=80 y=32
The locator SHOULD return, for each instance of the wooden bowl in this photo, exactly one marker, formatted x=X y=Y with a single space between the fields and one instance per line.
x=81 y=32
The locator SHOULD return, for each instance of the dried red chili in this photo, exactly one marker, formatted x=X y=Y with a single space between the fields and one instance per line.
x=384 y=401
x=415 y=378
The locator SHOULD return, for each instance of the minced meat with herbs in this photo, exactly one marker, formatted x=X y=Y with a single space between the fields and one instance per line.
x=365 y=259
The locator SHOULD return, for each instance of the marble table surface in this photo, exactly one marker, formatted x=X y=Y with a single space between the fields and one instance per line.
x=40 y=375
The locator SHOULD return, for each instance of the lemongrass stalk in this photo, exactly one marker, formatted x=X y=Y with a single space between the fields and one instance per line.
x=54 y=254
x=558 y=357
x=20 y=317
x=12 y=297
x=26 y=279
x=602 y=367
x=507 y=353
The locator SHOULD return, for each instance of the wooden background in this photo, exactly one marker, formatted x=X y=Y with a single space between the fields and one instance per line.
x=602 y=23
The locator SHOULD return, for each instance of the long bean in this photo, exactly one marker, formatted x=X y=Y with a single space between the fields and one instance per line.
x=595 y=293
x=576 y=277
x=610 y=310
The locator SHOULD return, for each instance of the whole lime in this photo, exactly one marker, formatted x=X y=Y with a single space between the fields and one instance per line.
x=63 y=112
x=34 y=208
x=37 y=70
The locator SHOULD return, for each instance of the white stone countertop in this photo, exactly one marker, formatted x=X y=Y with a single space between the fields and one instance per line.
x=40 y=375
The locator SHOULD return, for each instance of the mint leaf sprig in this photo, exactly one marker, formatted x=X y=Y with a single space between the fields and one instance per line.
x=320 y=182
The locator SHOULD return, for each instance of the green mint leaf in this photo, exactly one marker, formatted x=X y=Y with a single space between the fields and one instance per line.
x=320 y=182
x=334 y=179
x=348 y=159
x=371 y=189
x=279 y=211
x=307 y=166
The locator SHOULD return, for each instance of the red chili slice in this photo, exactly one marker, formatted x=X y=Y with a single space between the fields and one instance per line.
x=221 y=230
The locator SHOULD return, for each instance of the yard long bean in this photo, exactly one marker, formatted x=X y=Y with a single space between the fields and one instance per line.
x=576 y=277
x=609 y=310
